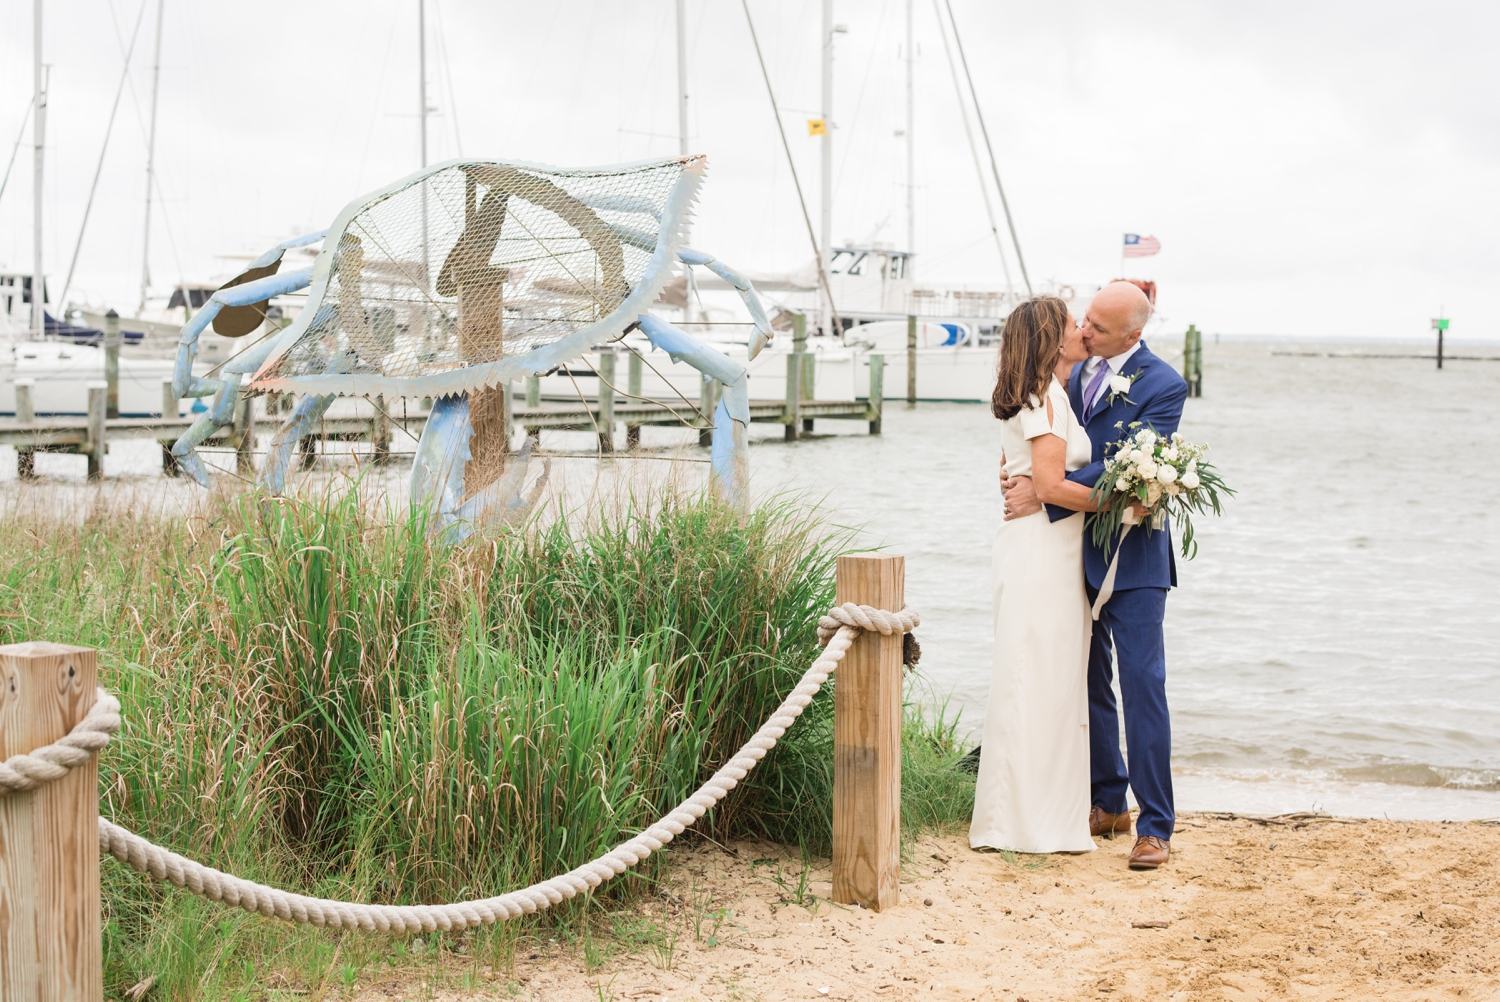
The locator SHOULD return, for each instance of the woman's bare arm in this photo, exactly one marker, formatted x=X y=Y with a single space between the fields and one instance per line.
x=1048 y=458
x=1048 y=453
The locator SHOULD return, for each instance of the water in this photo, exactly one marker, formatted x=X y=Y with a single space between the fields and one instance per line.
x=1336 y=643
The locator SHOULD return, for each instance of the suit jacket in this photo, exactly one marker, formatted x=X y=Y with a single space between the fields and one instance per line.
x=1156 y=396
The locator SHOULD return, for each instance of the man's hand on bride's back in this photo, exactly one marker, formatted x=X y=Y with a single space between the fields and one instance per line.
x=1020 y=497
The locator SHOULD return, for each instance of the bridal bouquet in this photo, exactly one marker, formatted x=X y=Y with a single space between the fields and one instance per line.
x=1167 y=476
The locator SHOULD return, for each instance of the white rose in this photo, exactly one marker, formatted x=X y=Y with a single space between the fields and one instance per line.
x=1174 y=490
x=1146 y=437
x=1136 y=456
x=1169 y=454
x=1166 y=474
x=1190 y=480
x=1146 y=469
x=1122 y=484
x=1192 y=466
x=1119 y=384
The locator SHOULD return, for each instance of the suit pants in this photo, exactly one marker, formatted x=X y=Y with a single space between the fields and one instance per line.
x=1131 y=623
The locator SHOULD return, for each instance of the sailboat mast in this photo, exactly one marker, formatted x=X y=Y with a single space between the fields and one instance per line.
x=825 y=201
x=682 y=95
x=911 y=148
x=422 y=78
x=151 y=163
x=39 y=139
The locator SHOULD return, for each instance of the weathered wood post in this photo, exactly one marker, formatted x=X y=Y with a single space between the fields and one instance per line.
x=244 y=437
x=1192 y=360
x=112 y=363
x=793 y=391
x=25 y=411
x=94 y=438
x=708 y=401
x=867 y=742
x=877 y=391
x=534 y=399
x=50 y=945
x=606 y=400
x=808 y=384
x=633 y=431
x=911 y=360
x=380 y=443
x=169 y=411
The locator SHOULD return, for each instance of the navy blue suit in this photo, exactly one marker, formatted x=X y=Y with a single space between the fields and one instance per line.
x=1131 y=621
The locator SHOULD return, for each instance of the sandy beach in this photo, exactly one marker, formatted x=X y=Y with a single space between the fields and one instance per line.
x=1291 y=909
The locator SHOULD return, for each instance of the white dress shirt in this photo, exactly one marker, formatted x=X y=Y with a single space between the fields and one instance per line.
x=1091 y=369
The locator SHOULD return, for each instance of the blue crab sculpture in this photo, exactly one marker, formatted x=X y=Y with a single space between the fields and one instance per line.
x=451 y=283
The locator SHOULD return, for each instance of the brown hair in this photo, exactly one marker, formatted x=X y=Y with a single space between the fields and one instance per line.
x=1029 y=348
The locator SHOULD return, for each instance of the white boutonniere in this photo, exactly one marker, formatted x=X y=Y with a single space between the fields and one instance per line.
x=1119 y=387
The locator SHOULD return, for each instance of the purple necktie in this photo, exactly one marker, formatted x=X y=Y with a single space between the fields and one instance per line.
x=1090 y=395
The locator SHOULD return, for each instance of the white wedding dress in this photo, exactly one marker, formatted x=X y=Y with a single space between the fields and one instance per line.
x=1033 y=787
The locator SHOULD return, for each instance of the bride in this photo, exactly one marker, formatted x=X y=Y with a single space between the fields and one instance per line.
x=1033 y=784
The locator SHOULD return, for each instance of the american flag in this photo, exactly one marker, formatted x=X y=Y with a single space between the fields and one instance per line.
x=1139 y=246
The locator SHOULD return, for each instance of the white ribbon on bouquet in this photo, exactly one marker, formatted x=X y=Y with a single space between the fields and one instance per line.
x=1107 y=589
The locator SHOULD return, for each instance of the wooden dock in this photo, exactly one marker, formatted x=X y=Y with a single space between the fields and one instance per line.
x=81 y=434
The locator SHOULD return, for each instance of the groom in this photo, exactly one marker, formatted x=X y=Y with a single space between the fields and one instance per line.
x=1123 y=382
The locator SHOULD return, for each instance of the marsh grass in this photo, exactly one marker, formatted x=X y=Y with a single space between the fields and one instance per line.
x=316 y=697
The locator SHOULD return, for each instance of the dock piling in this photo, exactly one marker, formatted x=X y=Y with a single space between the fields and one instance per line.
x=169 y=410
x=606 y=401
x=25 y=402
x=707 y=402
x=793 y=394
x=876 y=392
x=25 y=411
x=112 y=363
x=1192 y=360
x=867 y=742
x=911 y=360
x=94 y=444
x=633 y=369
x=51 y=948
x=380 y=446
x=244 y=437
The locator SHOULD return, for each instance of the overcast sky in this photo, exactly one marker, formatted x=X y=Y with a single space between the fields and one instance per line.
x=1310 y=168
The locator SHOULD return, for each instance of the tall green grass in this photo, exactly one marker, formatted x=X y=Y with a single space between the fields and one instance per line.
x=316 y=696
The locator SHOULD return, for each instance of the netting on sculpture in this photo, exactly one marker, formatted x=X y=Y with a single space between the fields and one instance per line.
x=449 y=273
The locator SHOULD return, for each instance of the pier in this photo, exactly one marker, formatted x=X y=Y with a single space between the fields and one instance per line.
x=89 y=434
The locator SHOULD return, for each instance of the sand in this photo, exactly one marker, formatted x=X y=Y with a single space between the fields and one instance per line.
x=1300 y=909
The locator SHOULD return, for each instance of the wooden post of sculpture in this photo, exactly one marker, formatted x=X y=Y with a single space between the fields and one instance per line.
x=480 y=340
x=50 y=945
x=867 y=742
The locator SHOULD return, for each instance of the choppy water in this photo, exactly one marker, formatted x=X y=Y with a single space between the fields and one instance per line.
x=1335 y=645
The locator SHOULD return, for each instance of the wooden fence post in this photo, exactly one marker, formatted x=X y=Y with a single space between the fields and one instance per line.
x=867 y=742
x=50 y=946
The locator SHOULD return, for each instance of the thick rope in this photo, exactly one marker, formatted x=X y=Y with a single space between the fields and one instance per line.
x=833 y=632
x=864 y=617
x=30 y=770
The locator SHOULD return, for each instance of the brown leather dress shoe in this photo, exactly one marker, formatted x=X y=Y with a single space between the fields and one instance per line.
x=1101 y=822
x=1149 y=852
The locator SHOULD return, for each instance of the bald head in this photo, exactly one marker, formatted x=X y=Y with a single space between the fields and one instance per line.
x=1115 y=319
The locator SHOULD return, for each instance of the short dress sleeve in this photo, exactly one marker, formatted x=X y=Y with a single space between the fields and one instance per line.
x=1034 y=421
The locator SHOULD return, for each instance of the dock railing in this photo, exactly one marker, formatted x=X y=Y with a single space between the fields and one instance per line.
x=54 y=721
